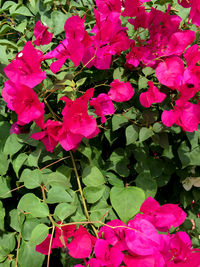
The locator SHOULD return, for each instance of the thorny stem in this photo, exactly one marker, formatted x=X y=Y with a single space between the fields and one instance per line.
x=18 y=245
x=81 y=193
x=56 y=117
x=54 y=163
x=49 y=252
x=12 y=190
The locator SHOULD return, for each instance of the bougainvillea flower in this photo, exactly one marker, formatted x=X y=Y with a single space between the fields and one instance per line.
x=114 y=237
x=24 y=101
x=42 y=36
x=142 y=239
x=76 y=121
x=186 y=116
x=169 y=71
x=108 y=6
x=185 y=3
x=44 y=246
x=103 y=106
x=194 y=15
x=132 y=8
x=73 y=47
x=60 y=239
x=192 y=55
x=120 y=91
x=179 y=41
x=152 y=95
x=107 y=257
x=49 y=136
x=155 y=260
x=81 y=244
x=162 y=217
x=26 y=68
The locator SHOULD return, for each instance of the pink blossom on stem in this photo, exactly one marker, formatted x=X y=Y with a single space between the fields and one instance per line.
x=26 y=68
x=170 y=71
x=42 y=36
x=24 y=101
x=120 y=91
x=49 y=136
x=81 y=244
x=103 y=106
x=153 y=95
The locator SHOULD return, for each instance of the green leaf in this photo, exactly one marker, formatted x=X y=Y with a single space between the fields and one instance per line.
x=118 y=73
x=3 y=55
x=19 y=162
x=22 y=10
x=113 y=179
x=58 y=194
x=149 y=185
x=118 y=163
x=4 y=188
x=21 y=27
x=16 y=219
x=118 y=121
x=93 y=193
x=99 y=210
x=28 y=256
x=158 y=127
x=2 y=215
x=28 y=227
x=32 y=204
x=34 y=157
x=92 y=176
x=12 y=145
x=81 y=82
x=39 y=234
x=142 y=82
x=148 y=71
x=131 y=134
x=31 y=179
x=64 y=210
x=7 y=242
x=58 y=179
x=4 y=163
x=126 y=201
x=145 y=133
x=58 y=18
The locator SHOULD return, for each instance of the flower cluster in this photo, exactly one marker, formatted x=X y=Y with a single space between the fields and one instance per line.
x=25 y=73
x=144 y=240
x=162 y=51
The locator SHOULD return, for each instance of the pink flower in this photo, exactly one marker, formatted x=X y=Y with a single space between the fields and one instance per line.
x=60 y=239
x=73 y=47
x=81 y=244
x=42 y=36
x=170 y=71
x=107 y=256
x=133 y=8
x=49 y=136
x=162 y=217
x=153 y=95
x=143 y=238
x=120 y=91
x=103 y=106
x=108 y=6
x=187 y=116
x=26 y=68
x=24 y=101
x=76 y=122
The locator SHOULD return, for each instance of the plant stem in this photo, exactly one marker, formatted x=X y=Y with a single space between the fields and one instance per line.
x=81 y=193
